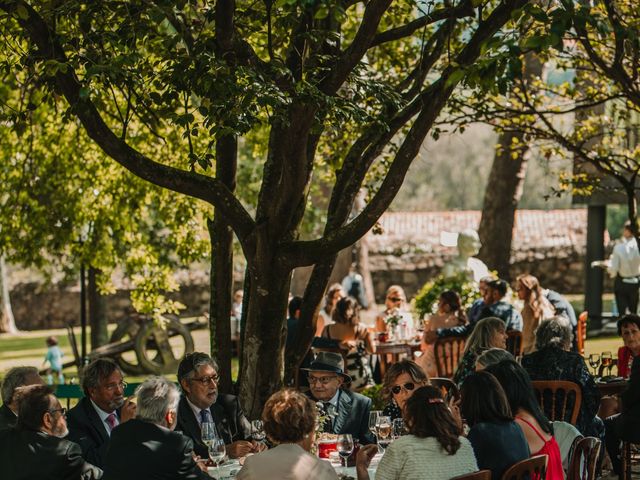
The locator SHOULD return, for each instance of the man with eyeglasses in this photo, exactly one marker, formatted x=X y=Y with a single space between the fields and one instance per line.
x=346 y=411
x=201 y=402
x=35 y=447
x=102 y=409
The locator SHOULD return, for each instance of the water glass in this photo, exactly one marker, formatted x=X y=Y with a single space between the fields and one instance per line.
x=373 y=421
x=398 y=429
x=345 y=446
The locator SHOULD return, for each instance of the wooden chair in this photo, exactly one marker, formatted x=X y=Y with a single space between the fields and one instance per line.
x=447 y=386
x=583 y=460
x=390 y=353
x=448 y=353
x=514 y=343
x=560 y=406
x=480 y=475
x=581 y=331
x=626 y=456
x=533 y=468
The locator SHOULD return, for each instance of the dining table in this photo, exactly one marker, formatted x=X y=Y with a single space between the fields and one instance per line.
x=391 y=352
x=613 y=386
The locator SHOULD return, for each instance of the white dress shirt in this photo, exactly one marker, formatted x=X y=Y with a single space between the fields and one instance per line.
x=625 y=259
x=103 y=416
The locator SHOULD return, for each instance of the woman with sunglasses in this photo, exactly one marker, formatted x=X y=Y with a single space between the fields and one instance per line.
x=434 y=448
x=400 y=381
x=395 y=305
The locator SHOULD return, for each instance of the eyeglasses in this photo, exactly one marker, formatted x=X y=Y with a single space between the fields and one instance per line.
x=322 y=380
x=409 y=386
x=396 y=299
x=114 y=386
x=207 y=380
x=63 y=411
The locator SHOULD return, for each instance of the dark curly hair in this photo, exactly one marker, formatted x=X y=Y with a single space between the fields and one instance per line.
x=288 y=416
x=452 y=299
x=427 y=415
x=340 y=312
x=415 y=371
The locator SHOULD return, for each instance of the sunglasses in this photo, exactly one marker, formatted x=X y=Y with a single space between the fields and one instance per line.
x=409 y=386
x=396 y=299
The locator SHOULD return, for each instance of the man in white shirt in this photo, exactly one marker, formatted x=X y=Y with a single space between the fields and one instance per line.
x=100 y=411
x=624 y=266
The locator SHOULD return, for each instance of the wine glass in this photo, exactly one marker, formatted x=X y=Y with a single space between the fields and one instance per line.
x=607 y=361
x=398 y=429
x=345 y=447
x=594 y=361
x=217 y=452
x=257 y=431
x=373 y=422
x=384 y=431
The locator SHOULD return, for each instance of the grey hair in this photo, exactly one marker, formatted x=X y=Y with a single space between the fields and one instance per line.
x=16 y=377
x=493 y=356
x=192 y=362
x=97 y=371
x=156 y=396
x=555 y=331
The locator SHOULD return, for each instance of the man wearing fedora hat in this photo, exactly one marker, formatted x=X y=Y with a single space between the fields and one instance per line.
x=348 y=411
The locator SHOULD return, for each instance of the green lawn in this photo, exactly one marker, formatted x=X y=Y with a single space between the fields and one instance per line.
x=29 y=348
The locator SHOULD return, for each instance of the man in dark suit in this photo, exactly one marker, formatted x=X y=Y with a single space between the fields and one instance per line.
x=35 y=447
x=146 y=446
x=200 y=402
x=100 y=411
x=347 y=411
x=15 y=378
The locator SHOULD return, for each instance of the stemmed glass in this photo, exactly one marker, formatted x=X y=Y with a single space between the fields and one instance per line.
x=398 y=429
x=607 y=361
x=384 y=431
x=257 y=431
x=215 y=444
x=594 y=361
x=345 y=447
x=373 y=422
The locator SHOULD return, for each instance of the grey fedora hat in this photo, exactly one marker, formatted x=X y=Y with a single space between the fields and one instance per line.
x=328 y=362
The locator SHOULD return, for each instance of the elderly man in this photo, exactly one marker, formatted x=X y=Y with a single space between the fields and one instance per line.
x=347 y=411
x=158 y=452
x=16 y=377
x=35 y=447
x=100 y=411
x=201 y=402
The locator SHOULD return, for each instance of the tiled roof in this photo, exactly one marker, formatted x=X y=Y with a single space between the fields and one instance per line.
x=534 y=229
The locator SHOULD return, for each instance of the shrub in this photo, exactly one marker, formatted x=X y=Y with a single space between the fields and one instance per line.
x=426 y=300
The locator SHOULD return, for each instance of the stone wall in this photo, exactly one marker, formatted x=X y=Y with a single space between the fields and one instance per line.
x=558 y=269
x=36 y=306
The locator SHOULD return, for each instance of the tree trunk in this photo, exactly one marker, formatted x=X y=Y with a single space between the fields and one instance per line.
x=263 y=349
x=221 y=285
x=7 y=322
x=503 y=192
x=97 y=311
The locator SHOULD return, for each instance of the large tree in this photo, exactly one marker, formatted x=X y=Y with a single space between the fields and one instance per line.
x=351 y=88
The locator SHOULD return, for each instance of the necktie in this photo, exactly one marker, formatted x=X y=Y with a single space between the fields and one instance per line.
x=112 y=421
x=205 y=416
x=328 y=411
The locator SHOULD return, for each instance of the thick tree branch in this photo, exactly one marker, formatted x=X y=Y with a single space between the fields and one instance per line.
x=463 y=9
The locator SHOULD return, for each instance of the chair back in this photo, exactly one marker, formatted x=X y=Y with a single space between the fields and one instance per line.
x=447 y=386
x=581 y=331
x=583 y=460
x=559 y=399
x=480 y=475
x=514 y=343
x=533 y=468
x=448 y=353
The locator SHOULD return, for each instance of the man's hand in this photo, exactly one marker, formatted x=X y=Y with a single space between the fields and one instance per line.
x=363 y=460
x=430 y=336
x=200 y=462
x=239 y=449
x=128 y=410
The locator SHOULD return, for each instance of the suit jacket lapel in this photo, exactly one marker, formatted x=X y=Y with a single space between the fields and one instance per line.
x=95 y=420
x=190 y=425
x=344 y=411
x=222 y=422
